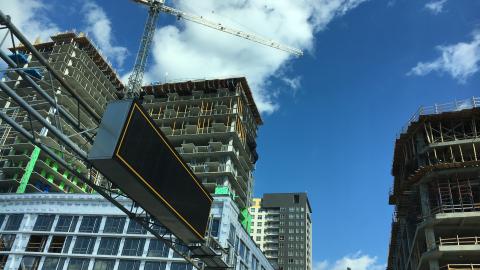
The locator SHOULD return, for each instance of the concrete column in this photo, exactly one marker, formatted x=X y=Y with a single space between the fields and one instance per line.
x=434 y=265
x=424 y=200
x=430 y=238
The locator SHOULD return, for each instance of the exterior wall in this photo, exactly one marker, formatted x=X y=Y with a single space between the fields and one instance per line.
x=243 y=253
x=24 y=168
x=214 y=130
x=282 y=228
x=437 y=193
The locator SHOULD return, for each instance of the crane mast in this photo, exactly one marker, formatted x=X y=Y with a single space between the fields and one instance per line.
x=155 y=6
x=136 y=78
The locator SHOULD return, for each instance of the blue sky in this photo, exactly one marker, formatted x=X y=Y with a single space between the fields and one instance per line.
x=331 y=116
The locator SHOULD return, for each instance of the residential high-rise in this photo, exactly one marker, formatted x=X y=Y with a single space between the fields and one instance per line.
x=213 y=125
x=436 y=190
x=282 y=227
x=23 y=167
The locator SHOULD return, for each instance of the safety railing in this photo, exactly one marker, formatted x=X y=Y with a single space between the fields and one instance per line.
x=456 y=208
x=456 y=105
x=461 y=267
x=458 y=241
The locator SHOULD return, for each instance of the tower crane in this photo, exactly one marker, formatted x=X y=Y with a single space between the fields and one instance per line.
x=155 y=7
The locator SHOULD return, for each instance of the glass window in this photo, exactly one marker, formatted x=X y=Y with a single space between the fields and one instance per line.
x=114 y=225
x=157 y=249
x=90 y=224
x=231 y=234
x=258 y=238
x=135 y=228
x=66 y=246
x=215 y=227
x=53 y=263
x=133 y=246
x=155 y=266
x=78 y=264
x=104 y=264
x=159 y=228
x=66 y=223
x=29 y=263
x=84 y=245
x=2 y=218
x=183 y=249
x=13 y=222
x=108 y=246
x=6 y=242
x=180 y=266
x=128 y=265
x=44 y=223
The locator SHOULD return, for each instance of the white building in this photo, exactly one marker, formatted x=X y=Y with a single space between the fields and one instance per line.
x=85 y=232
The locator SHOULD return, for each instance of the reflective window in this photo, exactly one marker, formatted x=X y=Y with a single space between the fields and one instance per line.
x=2 y=218
x=84 y=245
x=159 y=228
x=13 y=222
x=135 y=228
x=66 y=223
x=183 y=249
x=114 y=225
x=128 y=265
x=90 y=224
x=108 y=246
x=53 y=263
x=155 y=266
x=133 y=247
x=180 y=266
x=6 y=242
x=78 y=264
x=29 y=263
x=215 y=227
x=104 y=264
x=157 y=249
x=44 y=223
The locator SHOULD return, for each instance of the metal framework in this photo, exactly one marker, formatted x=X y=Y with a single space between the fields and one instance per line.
x=201 y=255
x=155 y=6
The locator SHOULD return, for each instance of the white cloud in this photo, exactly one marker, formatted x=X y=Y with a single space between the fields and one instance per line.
x=458 y=60
x=435 y=6
x=99 y=26
x=357 y=261
x=189 y=50
x=30 y=18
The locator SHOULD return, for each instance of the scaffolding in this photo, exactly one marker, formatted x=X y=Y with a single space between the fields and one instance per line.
x=436 y=187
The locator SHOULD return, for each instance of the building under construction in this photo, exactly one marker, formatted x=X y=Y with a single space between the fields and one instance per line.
x=436 y=190
x=211 y=123
x=24 y=168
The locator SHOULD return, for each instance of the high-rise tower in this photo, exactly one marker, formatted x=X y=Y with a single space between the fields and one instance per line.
x=282 y=227
x=436 y=190
x=213 y=125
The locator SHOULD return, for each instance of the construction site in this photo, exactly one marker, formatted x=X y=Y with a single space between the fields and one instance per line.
x=436 y=190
